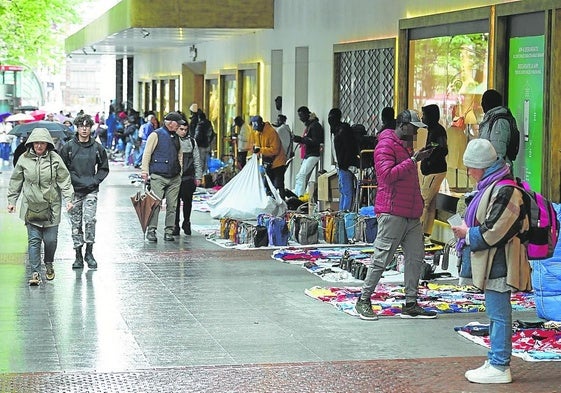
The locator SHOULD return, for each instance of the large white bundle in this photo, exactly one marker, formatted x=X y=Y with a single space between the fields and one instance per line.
x=245 y=197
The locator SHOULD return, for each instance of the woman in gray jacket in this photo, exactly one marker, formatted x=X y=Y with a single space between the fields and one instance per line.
x=40 y=178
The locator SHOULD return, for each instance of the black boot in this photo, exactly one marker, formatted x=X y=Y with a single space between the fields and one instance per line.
x=89 y=258
x=79 y=261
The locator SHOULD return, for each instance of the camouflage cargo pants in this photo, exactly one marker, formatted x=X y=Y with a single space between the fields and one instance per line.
x=82 y=218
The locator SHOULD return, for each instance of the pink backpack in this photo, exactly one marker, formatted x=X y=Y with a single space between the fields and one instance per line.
x=542 y=236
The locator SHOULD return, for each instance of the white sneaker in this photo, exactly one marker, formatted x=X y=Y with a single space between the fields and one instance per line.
x=489 y=374
x=35 y=279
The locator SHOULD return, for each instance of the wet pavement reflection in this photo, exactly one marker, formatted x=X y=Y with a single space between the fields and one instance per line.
x=191 y=316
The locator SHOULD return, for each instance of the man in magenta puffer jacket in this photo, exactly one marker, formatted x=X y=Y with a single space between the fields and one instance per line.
x=398 y=206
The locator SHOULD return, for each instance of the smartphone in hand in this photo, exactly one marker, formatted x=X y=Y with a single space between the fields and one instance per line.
x=455 y=220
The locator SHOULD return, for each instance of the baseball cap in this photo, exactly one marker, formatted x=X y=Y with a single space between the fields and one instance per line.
x=410 y=116
x=174 y=116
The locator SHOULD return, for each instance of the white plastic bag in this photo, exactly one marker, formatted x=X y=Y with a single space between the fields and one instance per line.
x=245 y=197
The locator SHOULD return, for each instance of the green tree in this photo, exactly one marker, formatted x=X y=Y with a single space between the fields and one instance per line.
x=33 y=31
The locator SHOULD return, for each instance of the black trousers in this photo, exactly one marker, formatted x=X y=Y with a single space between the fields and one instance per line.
x=242 y=159
x=186 y=191
x=277 y=177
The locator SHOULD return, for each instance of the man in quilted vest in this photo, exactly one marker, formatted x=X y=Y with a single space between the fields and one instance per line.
x=399 y=206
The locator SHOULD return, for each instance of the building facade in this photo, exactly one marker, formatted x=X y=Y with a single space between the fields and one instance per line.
x=358 y=55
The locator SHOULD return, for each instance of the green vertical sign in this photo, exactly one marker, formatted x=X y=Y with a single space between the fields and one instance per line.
x=525 y=100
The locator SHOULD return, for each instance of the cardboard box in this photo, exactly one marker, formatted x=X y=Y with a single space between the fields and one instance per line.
x=327 y=184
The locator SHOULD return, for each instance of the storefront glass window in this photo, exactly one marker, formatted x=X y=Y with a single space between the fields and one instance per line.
x=212 y=108
x=229 y=92
x=249 y=94
x=451 y=72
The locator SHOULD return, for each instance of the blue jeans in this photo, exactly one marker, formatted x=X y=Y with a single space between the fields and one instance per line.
x=138 y=158
x=499 y=311
x=36 y=236
x=346 y=189
x=129 y=148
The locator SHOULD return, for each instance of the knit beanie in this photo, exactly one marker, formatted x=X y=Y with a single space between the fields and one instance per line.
x=479 y=154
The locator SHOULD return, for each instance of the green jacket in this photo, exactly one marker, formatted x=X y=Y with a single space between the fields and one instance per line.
x=40 y=178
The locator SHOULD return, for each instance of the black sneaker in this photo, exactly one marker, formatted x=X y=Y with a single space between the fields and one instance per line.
x=151 y=236
x=413 y=310
x=364 y=310
x=50 y=274
x=175 y=231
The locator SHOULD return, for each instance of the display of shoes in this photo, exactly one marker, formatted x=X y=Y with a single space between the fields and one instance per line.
x=35 y=279
x=413 y=310
x=489 y=374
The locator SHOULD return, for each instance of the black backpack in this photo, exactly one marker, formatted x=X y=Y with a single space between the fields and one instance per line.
x=514 y=141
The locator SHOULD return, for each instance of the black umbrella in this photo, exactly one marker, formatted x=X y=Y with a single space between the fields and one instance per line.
x=27 y=108
x=57 y=130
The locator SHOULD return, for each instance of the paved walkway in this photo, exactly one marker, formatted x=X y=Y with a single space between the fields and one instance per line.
x=189 y=316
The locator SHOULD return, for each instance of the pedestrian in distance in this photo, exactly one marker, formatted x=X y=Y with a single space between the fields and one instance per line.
x=347 y=153
x=266 y=142
x=493 y=257
x=242 y=140
x=434 y=167
x=41 y=180
x=161 y=164
x=191 y=175
x=399 y=206
x=497 y=132
x=88 y=165
x=311 y=144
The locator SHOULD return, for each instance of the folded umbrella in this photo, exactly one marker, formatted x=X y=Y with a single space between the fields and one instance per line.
x=145 y=203
x=57 y=130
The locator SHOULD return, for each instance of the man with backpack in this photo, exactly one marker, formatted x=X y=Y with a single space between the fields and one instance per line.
x=88 y=165
x=499 y=126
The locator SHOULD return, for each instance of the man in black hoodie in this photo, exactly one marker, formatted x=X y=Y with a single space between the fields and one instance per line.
x=346 y=151
x=433 y=168
x=88 y=165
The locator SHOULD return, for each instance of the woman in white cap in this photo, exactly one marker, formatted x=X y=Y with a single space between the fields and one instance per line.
x=39 y=178
x=492 y=255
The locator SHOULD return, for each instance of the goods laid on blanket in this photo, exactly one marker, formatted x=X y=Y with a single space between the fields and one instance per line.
x=531 y=341
x=340 y=263
x=389 y=298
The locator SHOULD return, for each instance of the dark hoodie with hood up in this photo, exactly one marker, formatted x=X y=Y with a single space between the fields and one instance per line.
x=436 y=162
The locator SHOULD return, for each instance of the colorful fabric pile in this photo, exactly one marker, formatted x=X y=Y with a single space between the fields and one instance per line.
x=389 y=298
x=531 y=344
